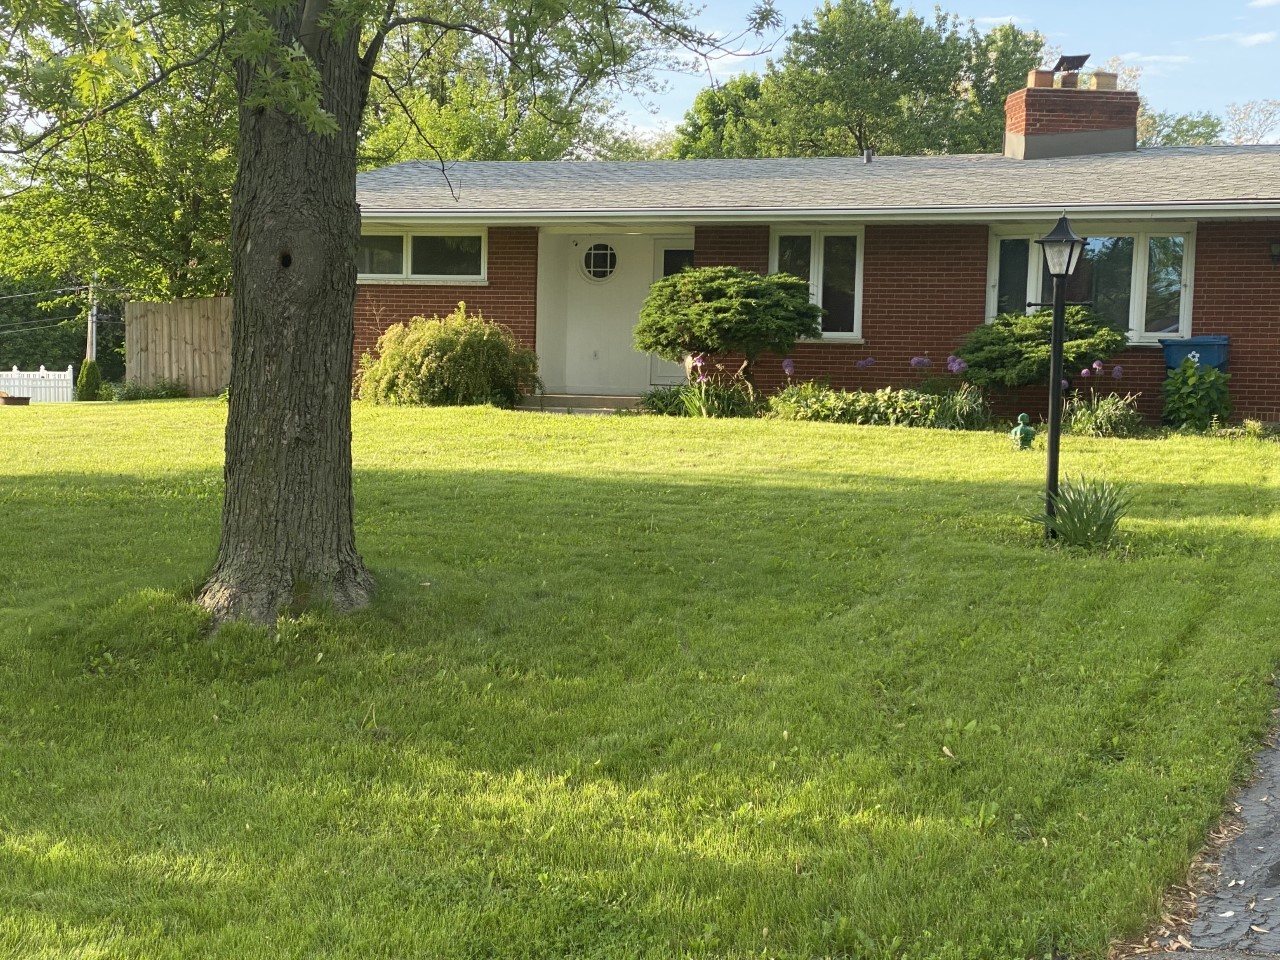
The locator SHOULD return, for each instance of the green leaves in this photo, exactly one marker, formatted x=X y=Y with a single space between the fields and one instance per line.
x=1013 y=349
x=717 y=310
x=1195 y=396
x=864 y=75
x=1086 y=513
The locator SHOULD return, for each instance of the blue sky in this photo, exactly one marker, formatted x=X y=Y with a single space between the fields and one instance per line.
x=1194 y=55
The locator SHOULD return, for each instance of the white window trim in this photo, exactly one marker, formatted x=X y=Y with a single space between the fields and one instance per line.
x=439 y=279
x=1141 y=233
x=816 y=251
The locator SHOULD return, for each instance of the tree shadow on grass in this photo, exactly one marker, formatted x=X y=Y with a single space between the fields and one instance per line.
x=630 y=714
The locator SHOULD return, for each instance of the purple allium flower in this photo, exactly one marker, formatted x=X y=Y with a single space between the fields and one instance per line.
x=921 y=362
x=865 y=362
x=1117 y=372
x=788 y=366
x=956 y=365
x=1097 y=366
x=1065 y=384
x=1086 y=372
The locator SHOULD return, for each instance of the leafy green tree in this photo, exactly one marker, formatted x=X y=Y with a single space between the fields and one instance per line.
x=441 y=95
x=302 y=73
x=721 y=310
x=1166 y=129
x=863 y=75
x=724 y=121
x=139 y=197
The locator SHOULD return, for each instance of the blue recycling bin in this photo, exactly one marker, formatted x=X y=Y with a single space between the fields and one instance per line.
x=1214 y=351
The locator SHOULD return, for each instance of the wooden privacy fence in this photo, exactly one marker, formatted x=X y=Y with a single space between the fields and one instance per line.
x=187 y=340
x=42 y=386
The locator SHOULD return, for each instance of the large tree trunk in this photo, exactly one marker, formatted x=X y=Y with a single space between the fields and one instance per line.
x=288 y=540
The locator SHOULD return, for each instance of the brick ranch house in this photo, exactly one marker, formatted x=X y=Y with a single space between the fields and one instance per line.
x=906 y=254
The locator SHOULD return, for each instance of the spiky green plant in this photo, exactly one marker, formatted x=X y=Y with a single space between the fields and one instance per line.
x=1086 y=513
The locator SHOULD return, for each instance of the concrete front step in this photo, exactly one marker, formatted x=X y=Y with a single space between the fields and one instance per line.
x=577 y=403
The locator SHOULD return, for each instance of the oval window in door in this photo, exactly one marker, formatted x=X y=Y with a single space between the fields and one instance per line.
x=599 y=261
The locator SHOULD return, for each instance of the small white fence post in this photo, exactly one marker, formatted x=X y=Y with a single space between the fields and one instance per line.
x=42 y=386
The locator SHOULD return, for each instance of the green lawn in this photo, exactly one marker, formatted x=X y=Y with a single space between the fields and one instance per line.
x=631 y=687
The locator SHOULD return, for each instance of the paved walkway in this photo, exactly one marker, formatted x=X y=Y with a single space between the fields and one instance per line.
x=1240 y=917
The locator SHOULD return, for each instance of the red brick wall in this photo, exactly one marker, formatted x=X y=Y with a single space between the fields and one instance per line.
x=1237 y=292
x=924 y=288
x=510 y=297
x=1035 y=110
x=732 y=246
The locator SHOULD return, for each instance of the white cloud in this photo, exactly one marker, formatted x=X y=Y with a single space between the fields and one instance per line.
x=1244 y=39
x=994 y=21
x=1264 y=3
x=1173 y=59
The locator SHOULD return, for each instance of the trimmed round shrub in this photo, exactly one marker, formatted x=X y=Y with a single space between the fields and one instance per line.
x=719 y=310
x=454 y=361
x=1013 y=349
x=89 y=382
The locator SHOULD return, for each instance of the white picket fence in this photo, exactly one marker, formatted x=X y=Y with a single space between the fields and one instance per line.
x=42 y=386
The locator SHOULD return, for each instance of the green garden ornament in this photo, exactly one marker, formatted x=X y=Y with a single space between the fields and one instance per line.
x=1023 y=433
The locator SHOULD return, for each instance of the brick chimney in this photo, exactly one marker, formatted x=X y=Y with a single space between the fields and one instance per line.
x=1042 y=120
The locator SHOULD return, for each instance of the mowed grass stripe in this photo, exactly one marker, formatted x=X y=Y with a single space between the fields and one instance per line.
x=631 y=687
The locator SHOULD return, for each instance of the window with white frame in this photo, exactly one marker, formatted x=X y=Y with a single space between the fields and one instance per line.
x=447 y=256
x=1140 y=280
x=832 y=263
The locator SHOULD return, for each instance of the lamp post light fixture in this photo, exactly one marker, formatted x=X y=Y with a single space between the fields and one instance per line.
x=1062 y=249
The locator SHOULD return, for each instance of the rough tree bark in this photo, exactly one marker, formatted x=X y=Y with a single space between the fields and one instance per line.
x=288 y=537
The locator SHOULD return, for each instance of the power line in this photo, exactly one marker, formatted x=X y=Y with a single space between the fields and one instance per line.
x=48 y=326
x=40 y=293
x=27 y=324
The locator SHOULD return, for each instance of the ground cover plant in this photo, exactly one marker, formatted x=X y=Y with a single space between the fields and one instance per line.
x=630 y=687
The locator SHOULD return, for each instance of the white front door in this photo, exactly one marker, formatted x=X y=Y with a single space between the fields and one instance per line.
x=608 y=279
x=669 y=256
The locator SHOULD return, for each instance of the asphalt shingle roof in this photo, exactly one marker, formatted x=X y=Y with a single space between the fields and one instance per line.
x=1169 y=177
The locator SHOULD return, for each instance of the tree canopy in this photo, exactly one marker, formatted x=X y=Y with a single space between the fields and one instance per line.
x=863 y=75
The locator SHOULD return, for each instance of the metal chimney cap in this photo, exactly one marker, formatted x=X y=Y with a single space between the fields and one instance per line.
x=1070 y=64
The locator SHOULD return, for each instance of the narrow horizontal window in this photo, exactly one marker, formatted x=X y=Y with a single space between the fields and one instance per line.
x=380 y=255
x=448 y=256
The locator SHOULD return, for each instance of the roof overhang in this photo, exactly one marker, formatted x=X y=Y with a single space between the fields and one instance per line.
x=1208 y=210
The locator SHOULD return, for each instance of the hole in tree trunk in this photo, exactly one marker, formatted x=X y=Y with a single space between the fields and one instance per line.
x=286 y=259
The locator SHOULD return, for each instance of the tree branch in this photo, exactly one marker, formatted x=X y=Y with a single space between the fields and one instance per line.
x=56 y=129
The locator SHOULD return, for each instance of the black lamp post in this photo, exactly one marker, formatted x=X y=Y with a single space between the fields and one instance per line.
x=1062 y=249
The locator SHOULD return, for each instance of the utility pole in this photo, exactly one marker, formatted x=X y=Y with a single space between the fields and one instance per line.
x=91 y=341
